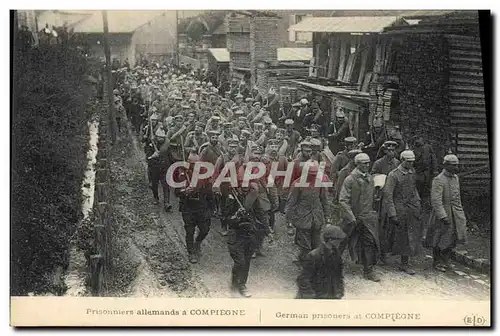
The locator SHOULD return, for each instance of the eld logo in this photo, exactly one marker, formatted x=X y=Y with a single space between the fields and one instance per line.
x=474 y=320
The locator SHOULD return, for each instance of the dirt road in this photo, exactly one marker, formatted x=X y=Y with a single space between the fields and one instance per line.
x=157 y=243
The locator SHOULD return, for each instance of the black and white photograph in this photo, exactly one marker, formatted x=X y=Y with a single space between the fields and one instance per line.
x=317 y=156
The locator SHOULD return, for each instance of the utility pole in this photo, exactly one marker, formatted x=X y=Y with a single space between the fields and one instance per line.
x=107 y=53
x=177 y=56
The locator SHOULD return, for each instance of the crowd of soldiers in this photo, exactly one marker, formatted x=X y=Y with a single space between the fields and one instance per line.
x=372 y=207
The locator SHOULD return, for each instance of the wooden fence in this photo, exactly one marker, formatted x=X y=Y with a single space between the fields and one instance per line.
x=101 y=260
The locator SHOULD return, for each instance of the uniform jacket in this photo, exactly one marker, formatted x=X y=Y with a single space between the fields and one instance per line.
x=401 y=200
x=308 y=207
x=344 y=172
x=384 y=165
x=356 y=202
x=322 y=275
x=446 y=202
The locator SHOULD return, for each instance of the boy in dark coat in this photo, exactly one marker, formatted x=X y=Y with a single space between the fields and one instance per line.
x=322 y=275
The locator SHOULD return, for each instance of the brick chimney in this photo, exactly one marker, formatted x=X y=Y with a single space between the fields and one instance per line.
x=263 y=45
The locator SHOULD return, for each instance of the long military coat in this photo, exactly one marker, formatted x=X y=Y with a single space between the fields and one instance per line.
x=356 y=201
x=308 y=207
x=446 y=202
x=401 y=200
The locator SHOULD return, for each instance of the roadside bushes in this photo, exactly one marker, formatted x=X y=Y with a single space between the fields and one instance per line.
x=49 y=145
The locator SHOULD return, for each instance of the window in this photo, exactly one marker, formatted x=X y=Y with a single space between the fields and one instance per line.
x=299 y=36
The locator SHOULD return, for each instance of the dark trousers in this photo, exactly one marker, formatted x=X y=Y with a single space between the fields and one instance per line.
x=156 y=177
x=441 y=257
x=241 y=248
x=272 y=219
x=368 y=249
x=192 y=220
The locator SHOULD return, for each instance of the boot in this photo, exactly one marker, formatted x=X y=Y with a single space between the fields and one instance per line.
x=369 y=274
x=197 y=248
x=167 y=207
x=156 y=201
x=405 y=267
x=383 y=258
x=193 y=259
x=191 y=253
x=244 y=291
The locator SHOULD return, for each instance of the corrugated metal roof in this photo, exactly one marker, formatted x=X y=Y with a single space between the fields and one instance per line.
x=284 y=54
x=351 y=24
x=220 y=54
x=400 y=13
x=124 y=21
x=295 y=54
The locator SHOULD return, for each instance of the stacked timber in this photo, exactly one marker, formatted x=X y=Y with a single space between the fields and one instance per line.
x=422 y=65
x=467 y=108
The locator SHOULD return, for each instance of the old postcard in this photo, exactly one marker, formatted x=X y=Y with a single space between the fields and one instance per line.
x=251 y=168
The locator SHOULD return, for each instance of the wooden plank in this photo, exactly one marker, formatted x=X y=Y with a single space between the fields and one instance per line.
x=462 y=149
x=332 y=58
x=473 y=88
x=483 y=143
x=473 y=156
x=473 y=136
x=470 y=67
x=96 y=278
x=348 y=70
x=466 y=94
x=477 y=177
x=473 y=81
x=474 y=60
x=366 y=82
x=476 y=109
x=465 y=53
x=459 y=73
x=472 y=102
x=364 y=60
x=342 y=57
x=468 y=115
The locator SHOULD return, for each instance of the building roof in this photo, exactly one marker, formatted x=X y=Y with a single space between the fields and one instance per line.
x=295 y=54
x=119 y=21
x=399 y=13
x=59 y=18
x=221 y=55
x=348 y=24
x=220 y=30
x=335 y=90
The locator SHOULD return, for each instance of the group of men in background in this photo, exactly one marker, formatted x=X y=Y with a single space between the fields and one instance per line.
x=372 y=207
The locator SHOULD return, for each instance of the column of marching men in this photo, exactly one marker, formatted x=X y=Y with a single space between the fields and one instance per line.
x=373 y=206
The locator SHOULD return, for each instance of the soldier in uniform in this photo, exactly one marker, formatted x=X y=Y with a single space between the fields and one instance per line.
x=384 y=166
x=322 y=275
x=231 y=156
x=259 y=201
x=447 y=224
x=292 y=136
x=338 y=130
x=195 y=139
x=241 y=241
x=158 y=163
x=227 y=134
x=360 y=220
x=195 y=204
x=402 y=204
x=273 y=155
x=308 y=209
x=213 y=124
x=342 y=159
